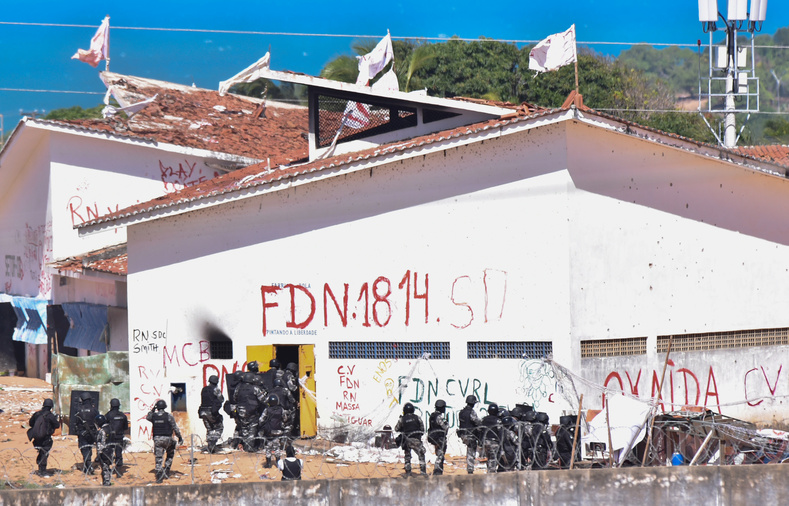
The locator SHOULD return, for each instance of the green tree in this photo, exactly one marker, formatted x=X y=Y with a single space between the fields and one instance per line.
x=76 y=112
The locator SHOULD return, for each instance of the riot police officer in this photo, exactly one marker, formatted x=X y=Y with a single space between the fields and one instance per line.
x=411 y=429
x=249 y=401
x=42 y=441
x=491 y=432
x=291 y=379
x=163 y=428
x=437 y=434
x=468 y=421
x=85 y=429
x=543 y=446
x=564 y=441
x=272 y=423
x=233 y=382
x=211 y=400
x=286 y=400
x=105 y=449
x=119 y=424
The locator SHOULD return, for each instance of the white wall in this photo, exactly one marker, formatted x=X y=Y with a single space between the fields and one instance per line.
x=553 y=254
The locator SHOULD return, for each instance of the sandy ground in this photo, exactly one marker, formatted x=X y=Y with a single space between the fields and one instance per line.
x=20 y=397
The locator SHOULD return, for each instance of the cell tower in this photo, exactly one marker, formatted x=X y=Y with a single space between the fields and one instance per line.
x=731 y=86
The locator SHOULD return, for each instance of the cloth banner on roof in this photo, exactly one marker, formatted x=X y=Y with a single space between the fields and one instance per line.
x=373 y=62
x=556 y=51
x=249 y=74
x=99 y=46
x=130 y=109
x=31 y=318
x=387 y=82
x=89 y=329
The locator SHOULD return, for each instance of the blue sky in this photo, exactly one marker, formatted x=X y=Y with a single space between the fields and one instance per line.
x=38 y=57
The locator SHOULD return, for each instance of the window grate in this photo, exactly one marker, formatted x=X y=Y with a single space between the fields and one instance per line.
x=614 y=347
x=362 y=119
x=723 y=340
x=510 y=349
x=381 y=350
x=221 y=350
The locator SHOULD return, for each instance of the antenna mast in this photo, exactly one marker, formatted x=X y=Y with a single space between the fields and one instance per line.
x=727 y=87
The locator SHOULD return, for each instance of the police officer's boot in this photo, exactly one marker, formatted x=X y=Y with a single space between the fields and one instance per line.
x=423 y=469
x=159 y=476
x=437 y=471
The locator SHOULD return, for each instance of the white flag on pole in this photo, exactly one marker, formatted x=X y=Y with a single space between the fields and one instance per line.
x=374 y=61
x=556 y=51
x=247 y=75
x=98 y=46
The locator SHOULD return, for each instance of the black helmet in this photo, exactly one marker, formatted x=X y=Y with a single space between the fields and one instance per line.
x=471 y=400
x=542 y=418
x=213 y=379
x=493 y=409
x=48 y=403
x=100 y=420
x=408 y=408
x=278 y=382
x=272 y=400
x=529 y=416
x=504 y=412
x=441 y=405
x=274 y=363
x=248 y=377
x=253 y=366
x=160 y=404
x=508 y=421
x=85 y=396
x=115 y=403
x=567 y=420
x=516 y=412
x=292 y=367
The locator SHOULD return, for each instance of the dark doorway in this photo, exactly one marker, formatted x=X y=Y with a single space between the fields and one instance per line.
x=57 y=327
x=12 y=353
x=286 y=354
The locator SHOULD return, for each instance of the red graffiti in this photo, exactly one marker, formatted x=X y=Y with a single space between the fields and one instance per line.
x=682 y=379
x=81 y=212
x=772 y=388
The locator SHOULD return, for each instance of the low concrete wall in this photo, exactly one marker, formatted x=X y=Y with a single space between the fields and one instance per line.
x=727 y=485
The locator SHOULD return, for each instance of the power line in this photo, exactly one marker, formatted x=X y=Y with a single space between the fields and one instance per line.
x=356 y=36
x=54 y=91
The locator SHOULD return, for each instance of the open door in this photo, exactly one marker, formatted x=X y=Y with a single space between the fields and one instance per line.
x=263 y=353
x=309 y=422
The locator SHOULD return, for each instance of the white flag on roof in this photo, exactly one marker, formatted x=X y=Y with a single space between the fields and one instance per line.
x=99 y=46
x=249 y=74
x=556 y=51
x=356 y=115
x=387 y=82
x=374 y=61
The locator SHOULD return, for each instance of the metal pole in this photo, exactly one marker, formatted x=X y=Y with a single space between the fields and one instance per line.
x=577 y=429
x=729 y=129
x=192 y=457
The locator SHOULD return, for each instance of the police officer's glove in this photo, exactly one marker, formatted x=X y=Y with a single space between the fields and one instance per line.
x=180 y=441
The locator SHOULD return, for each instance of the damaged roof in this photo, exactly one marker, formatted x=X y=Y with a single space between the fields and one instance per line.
x=272 y=132
x=110 y=260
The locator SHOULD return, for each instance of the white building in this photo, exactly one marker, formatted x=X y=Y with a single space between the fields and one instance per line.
x=532 y=232
x=58 y=174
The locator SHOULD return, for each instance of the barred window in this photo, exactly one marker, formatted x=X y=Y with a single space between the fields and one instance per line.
x=381 y=350
x=614 y=347
x=510 y=349
x=221 y=350
x=722 y=340
x=359 y=119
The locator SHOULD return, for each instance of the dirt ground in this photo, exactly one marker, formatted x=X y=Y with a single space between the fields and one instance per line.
x=20 y=397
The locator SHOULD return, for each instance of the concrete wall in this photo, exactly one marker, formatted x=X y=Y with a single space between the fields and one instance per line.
x=703 y=485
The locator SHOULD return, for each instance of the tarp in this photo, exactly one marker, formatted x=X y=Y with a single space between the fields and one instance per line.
x=31 y=317
x=89 y=328
x=627 y=417
x=107 y=373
